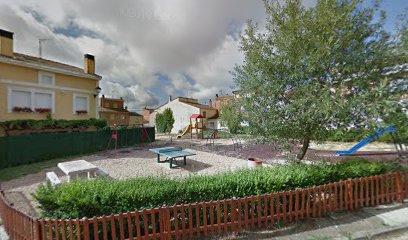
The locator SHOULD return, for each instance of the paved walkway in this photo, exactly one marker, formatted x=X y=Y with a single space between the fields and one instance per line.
x=381 y=222
x=3 y=234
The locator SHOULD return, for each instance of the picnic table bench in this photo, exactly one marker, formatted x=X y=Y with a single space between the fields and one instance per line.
x=75 y=168
x=171 y=153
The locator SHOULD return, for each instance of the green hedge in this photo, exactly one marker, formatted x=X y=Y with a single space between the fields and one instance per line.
x=53 y=123
x=89 y=198
x=356 y=135
x=24 y=149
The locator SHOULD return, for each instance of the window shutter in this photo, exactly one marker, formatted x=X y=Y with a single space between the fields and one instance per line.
x=20 y=99
x=42 y=100
x=81 y=103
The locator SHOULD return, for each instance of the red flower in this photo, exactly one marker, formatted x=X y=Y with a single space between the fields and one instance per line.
x=22 y=109
x=42 y=110
x=81 y=112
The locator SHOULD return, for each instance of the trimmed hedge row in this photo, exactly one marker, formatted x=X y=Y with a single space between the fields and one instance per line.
x=94 y=198
x=53 y=123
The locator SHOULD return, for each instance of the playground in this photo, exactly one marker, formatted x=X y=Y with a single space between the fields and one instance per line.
x=207 y=158
x=245 y=147
x=206 y=154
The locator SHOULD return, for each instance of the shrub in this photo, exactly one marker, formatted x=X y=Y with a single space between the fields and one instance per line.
x=92 y=198
x=165 y=121
x=53 y=123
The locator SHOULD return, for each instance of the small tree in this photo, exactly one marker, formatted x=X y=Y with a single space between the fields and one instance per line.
x=313 y=69
x=165 y=121
x=232 y=117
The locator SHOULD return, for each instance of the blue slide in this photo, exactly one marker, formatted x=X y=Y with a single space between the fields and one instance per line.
x=366 y=141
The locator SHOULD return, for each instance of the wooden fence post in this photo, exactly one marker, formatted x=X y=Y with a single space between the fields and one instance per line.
x=349 y=194
x=37 y=229
x=400 y=197
x=165 y=224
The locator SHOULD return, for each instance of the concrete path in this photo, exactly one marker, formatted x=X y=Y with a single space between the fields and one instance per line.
x=3 y=234
x=381 y=222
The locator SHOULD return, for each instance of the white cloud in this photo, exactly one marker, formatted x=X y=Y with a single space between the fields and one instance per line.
x=192 y=43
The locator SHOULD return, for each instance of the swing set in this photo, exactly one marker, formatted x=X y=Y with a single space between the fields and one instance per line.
x=114 y=137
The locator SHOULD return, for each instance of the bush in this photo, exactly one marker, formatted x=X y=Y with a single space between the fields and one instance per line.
x=165 y=121
x=103 y=197
x=53 y=123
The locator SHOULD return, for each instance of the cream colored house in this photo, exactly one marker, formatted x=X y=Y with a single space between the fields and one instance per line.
x=30 y=86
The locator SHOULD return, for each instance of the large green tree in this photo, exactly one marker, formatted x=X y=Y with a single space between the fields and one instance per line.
x=231 y=116
x=313 y=69
x=165 y=121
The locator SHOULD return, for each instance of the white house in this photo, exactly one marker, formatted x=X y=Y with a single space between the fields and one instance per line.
x=182 y=109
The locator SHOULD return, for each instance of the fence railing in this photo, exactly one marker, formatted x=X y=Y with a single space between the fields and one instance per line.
x=214 y=218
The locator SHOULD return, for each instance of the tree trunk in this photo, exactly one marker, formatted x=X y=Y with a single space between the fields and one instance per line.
x=303 y=150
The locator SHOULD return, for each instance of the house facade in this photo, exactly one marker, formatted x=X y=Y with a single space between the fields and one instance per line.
x=135 y=119
x=113 y=111
x=30 y=86
x=182 y=109
x=146 y=115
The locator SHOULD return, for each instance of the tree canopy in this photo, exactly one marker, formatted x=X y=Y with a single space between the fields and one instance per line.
x=314 y=69
x=165 y=121
x=231 y=116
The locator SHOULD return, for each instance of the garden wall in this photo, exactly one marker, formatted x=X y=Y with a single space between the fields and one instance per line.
x=17 y=150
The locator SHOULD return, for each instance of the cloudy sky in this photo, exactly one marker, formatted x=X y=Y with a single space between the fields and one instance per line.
x=145 y=50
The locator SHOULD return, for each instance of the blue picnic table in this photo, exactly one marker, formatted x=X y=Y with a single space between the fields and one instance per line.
x=171 y=153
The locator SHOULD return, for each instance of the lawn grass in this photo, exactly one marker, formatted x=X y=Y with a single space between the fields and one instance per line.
x=7 y=174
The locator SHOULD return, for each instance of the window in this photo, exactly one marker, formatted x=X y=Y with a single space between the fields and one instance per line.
x=107 y=104
x=20 y=98
x=81 y=103
x=115 y=105
x=46 y=78
x=28 y=100
x=42 y=100
x=204 y=114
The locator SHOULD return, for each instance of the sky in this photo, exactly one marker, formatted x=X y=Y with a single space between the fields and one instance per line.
x=145 y=50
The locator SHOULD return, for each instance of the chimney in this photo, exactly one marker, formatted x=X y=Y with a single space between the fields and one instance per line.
x=89 y=64
x=217 y=102
x=210 y=103
x=6 y=43
x=170 y=98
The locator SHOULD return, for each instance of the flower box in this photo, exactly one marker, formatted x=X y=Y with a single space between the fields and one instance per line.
x=81 y=112
x=42 y=110
x=22 y=109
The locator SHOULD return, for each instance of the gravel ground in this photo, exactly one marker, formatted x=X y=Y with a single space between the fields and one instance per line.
x=123 y=164
x=273 y=153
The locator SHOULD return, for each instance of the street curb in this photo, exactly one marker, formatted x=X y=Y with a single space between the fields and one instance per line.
x=3 y=234
x=379 y=233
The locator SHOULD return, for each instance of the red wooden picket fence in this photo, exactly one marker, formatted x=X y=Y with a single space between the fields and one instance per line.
x=207 y=219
